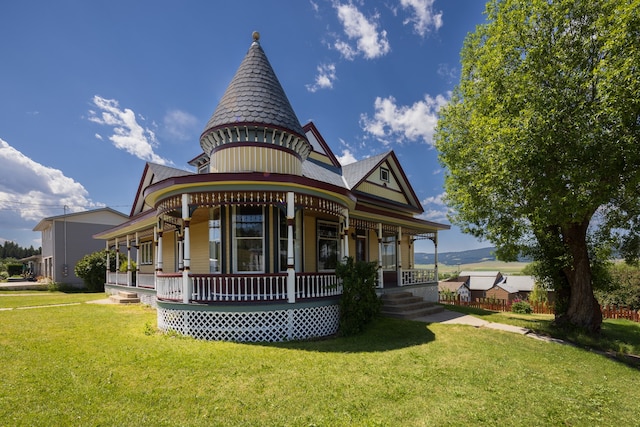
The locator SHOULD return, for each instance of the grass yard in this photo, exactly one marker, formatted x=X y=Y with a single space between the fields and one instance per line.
x=618 y=336
x=15 y=299
x=105 y=365
x=513 y=268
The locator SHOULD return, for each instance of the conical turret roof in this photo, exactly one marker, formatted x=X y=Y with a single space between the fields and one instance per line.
x=255 y=97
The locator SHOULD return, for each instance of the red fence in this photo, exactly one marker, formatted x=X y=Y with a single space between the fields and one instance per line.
x=493 y=304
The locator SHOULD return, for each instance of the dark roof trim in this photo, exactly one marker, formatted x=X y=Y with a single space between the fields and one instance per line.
x=311 y=127
x=216 y=178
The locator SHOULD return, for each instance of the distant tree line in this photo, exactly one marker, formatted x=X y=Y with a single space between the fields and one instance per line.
x=13 y=250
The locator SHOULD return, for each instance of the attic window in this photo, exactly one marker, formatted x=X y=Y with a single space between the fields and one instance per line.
x=384 y=175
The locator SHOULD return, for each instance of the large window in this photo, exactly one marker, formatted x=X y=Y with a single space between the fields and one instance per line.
x=248 y=230
x=328 y=236
x=146 y=253
x=389 y=252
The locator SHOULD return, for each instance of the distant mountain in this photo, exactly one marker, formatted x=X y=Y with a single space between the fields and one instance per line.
x=454 y=258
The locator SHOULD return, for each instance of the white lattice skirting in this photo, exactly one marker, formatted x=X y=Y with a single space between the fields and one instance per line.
x=252 y=326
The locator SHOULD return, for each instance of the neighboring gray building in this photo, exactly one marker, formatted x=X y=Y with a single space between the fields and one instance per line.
x=67 y=238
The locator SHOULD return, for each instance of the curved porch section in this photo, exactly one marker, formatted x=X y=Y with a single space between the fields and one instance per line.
x=251 y=322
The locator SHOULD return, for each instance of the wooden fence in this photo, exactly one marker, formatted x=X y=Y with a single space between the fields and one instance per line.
x=493 y=304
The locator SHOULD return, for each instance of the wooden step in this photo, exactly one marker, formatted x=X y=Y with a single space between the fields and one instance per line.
x=125 y=297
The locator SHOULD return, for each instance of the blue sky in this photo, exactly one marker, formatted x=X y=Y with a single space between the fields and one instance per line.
x=90 y=91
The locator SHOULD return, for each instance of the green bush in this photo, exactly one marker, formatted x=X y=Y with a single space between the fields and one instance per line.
x=92 y=269
x=14 y=269
x=359 y=303
x=521 y=307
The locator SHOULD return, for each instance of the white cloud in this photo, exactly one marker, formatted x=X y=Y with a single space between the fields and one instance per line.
x=423 y=17
x=435 y=200
x=369 y=41
x=127 y=135
x=98 y=136
x=346 y=158
x=435 y=208
x=435 y=215
x=325 y=78
x=180 y=125
x=400 y=123
x=30 y=191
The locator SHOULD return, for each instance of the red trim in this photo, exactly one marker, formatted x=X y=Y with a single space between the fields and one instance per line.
x=140 y=187
x=311 y=127
x=228 y=178
x=391 y=214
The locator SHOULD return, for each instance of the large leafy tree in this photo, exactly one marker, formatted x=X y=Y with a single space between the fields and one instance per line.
x=541 y=139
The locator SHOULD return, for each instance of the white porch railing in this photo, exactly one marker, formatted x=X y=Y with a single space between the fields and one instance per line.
x=418 y=276
x=209 y=288
x=317 y=285
x=169 y=287
x=223 y=287
x=146 y=280
x=117 y=278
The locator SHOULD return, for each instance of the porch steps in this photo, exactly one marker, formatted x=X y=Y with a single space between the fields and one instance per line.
x=403 y=305
x=125 y=297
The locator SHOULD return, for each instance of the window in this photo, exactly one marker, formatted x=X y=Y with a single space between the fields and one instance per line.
x=214 y=241
x=248 y=229
x=283 y=241
x=389 y=252
x=146 y=253
x=328 y=234
x=384 y=175
x=361 y=245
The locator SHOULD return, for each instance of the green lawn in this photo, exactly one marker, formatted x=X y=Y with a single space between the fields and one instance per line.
x=105 y=365
x=617 y=336
x=14 y=299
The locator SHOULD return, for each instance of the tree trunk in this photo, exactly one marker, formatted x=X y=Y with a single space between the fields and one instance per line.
x=584 y=310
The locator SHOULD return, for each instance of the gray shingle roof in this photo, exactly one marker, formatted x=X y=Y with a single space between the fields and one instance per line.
x=161 y=172
x=320 y=173
x=255 y=96
x=355 y=172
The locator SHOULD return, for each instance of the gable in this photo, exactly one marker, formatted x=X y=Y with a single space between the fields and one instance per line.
x=386 y=180
x=320 y=151
x=152 y=173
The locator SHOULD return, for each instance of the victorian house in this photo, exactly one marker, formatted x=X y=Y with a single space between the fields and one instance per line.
x=245 y=247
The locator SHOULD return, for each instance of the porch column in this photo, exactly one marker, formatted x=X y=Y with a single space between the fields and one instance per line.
x=291 y=272
x=108 y=262
x=345 y=235
x=435 y=255
x=180 y=249
x=137 y=246
x=117 y=262
x=399 y=258
x=128 y=261
x=380 y=275
x=159 y=246
x=186 y=243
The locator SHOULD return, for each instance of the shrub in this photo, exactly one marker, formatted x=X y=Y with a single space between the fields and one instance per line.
x=521 y=307
x=14 y=269
x=359 y=303
x=92 y=269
